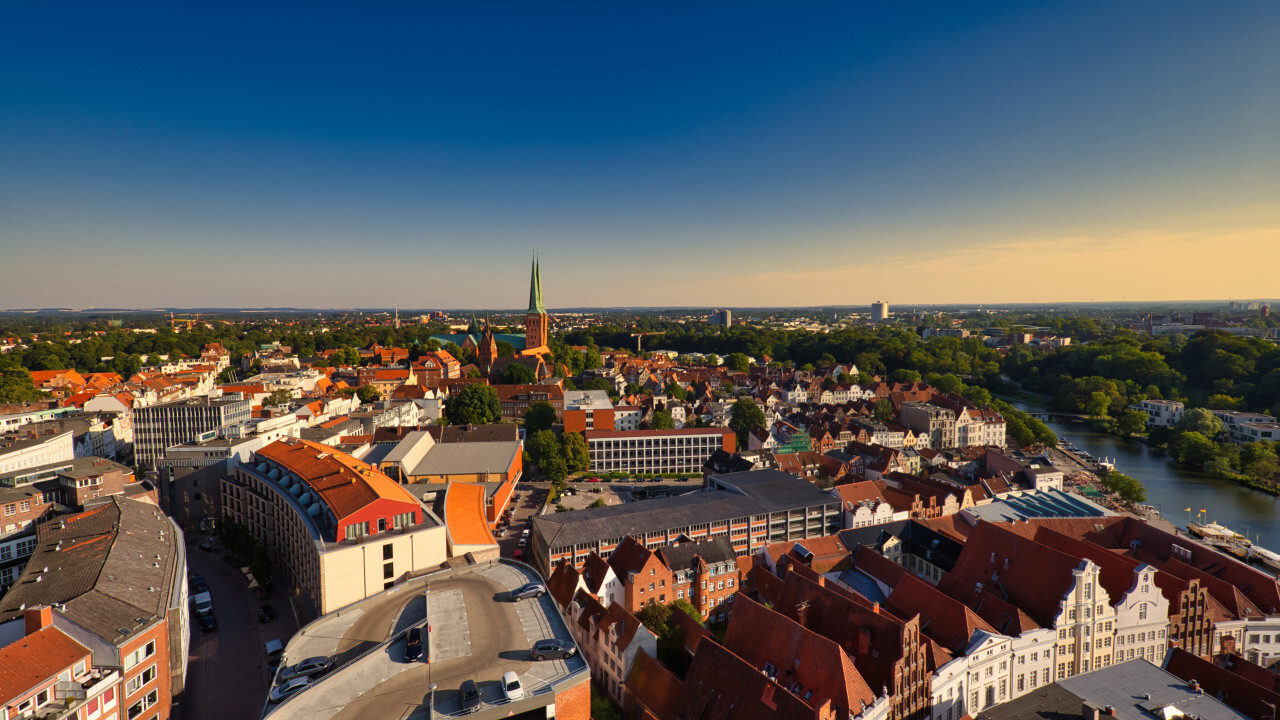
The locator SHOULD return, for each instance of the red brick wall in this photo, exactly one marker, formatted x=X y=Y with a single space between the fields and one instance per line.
x=575 y=703
x=575 y=421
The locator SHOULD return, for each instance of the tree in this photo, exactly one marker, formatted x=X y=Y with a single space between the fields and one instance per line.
x=1129 y=489
x=745 y=416
x=883 y=410
x=368 y=394
x=904 y=375
x=738 y=362
x=1131 y=422
x=662 y=421
x=712 y=360
x=543 y=445
x=1199 y=420
x=599 y=502
x=280 y=397
x=1097 y=405
x=505 y=349
x=517 y=374
x=475 y=404
x=16 y=386
x=576 y=456
x=1193 y=448
x=554 y=469
x=540 y=416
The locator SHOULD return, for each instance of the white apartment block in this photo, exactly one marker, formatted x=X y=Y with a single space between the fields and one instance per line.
x=18 y=452
x=1161 y=413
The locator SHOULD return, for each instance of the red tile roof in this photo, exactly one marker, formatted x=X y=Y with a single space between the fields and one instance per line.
x=345 y=483
x=802 y=658
x=34 y=659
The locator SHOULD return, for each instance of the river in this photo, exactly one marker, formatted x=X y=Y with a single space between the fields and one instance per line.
x=1172 y=488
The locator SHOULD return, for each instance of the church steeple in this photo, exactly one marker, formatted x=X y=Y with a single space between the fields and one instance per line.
x=535 y=291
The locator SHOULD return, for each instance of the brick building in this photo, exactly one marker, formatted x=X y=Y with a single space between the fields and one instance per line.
x=120 y=587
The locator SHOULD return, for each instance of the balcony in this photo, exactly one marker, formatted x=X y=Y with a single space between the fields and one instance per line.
x=71 y=695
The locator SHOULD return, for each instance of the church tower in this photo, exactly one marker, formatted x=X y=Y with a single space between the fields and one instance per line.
x=487 y=352
x=537 y=330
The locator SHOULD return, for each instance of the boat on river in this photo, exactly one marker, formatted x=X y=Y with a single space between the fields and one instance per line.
x=1223 y=538
x=1265 y=557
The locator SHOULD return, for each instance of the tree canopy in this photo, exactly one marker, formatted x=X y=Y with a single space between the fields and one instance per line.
x=475 y=404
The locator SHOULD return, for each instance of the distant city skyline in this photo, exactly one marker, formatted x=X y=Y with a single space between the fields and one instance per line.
x=665 y=156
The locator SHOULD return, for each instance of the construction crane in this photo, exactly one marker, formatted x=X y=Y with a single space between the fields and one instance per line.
x=184 y=320
x=640 y=336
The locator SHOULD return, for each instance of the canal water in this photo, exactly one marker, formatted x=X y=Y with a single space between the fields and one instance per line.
x=1172 y=488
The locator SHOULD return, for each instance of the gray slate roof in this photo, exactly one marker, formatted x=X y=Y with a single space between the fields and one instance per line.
x=115 y=567
x=466 y=457
x=755 y=492
x=1122 y=687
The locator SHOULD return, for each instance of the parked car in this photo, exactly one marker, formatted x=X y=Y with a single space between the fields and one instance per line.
x=208 y=622
x=511 y=687
x=312 y=666
x=470 y=696
x=551 y=649
x=531 y=590
x=266 y=613
x=413 y=645
x=206 y=546
x=285 y=689
x=198 y=584
x=523 y=542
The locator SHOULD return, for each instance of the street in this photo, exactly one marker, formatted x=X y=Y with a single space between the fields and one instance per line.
x=227 y=670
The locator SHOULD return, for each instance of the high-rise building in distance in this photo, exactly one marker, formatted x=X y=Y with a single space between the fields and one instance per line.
x=879 y=311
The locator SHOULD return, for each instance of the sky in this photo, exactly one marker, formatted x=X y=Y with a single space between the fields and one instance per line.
x=739 y=155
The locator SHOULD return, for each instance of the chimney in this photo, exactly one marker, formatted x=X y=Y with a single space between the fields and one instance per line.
x=38 y=618
x=1110 y=710
x=1089 y=712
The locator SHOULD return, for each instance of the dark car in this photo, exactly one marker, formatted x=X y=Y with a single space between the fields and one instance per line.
x=208 y=623
x=413 y=645
x=532 y=590
x=551 y=649
x=206 y=546
x=470 y=696
x=198 y=584
x=266 y=613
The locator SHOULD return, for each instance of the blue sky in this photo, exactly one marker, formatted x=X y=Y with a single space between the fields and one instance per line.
x=358 y=155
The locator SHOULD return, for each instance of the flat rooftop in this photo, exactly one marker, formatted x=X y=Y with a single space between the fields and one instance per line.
x=477 y=633
x=1124 y=687
x=733 y=495
x=465 y=458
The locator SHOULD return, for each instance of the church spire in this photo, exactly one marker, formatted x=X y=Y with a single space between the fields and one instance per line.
x=535 y=290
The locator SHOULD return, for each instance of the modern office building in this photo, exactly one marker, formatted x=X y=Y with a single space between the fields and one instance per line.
x=341 y=529
x=682 y=450
x=879 y=311
x=159 y=427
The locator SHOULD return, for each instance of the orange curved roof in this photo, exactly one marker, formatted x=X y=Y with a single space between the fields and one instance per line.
x=344 y=483
x=464 y=515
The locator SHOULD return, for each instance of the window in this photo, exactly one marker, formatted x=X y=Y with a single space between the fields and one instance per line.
x=139 y=655
x=140 y=680
x=149 y=700
x=1142 y=612
x=388 y=571
x=388 y=551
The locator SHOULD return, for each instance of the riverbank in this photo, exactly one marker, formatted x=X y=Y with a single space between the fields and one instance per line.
x=1172 y=488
